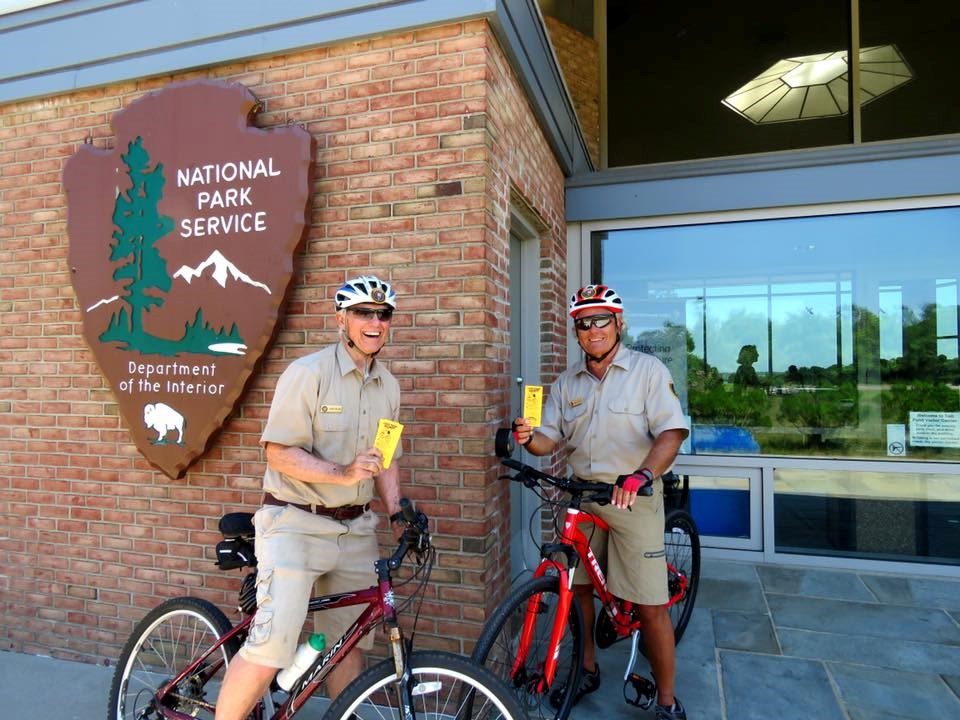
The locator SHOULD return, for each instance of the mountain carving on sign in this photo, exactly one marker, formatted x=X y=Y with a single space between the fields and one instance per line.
x=223 y=269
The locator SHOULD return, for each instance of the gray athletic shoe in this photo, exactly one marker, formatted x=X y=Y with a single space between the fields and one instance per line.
x=671 y=713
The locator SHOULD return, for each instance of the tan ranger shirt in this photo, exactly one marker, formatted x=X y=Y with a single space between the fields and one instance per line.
x=610 y=424
x=325 y=405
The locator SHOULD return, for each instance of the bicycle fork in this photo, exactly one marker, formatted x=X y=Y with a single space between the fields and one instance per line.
x=404 y=684
x=534 y=610
x=637 y=689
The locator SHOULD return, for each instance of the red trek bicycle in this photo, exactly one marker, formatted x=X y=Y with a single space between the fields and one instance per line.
x=534 y=640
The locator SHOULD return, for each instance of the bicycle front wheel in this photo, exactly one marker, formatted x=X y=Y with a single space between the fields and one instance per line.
x=444 y=687
x=161 y=646
x=682 y=544
x=499 y=643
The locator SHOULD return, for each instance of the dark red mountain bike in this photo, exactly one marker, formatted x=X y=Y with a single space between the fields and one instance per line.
x=173 y=663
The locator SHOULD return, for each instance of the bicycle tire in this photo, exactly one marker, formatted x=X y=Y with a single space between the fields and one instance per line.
x=497 y=648
x=444 y=686
x=161 y=645
x=682 y=545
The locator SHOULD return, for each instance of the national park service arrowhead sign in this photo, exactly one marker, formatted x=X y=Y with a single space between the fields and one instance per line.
x=182 y=240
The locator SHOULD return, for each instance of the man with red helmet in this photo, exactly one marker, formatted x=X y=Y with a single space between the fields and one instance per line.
x=621 y=421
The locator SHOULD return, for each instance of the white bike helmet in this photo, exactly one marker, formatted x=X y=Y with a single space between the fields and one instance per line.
x=365 y=289
x=591 y=296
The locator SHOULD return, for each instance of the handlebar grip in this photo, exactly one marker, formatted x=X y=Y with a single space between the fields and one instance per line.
x=407 y=510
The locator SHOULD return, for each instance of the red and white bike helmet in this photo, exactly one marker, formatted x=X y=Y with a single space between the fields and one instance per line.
x=365 y=289
x=592 y=296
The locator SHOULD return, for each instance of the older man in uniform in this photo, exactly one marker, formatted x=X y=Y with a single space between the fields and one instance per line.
x=315 y=525
x=622 y=422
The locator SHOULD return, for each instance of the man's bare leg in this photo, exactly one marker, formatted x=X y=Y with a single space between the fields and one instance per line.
x=661 y=649
x=584 y=597
x=243 y=684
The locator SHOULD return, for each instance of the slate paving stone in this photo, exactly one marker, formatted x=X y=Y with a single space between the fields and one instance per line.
x=814 y=583
x=910 y=695
x=698 y=643
x=879 y=652
x=745 y=631
x=873 y=714
x=919 y=592
x=728 y=570
x=856 y=618
x=761 y=687
x=953 y=681
x=718 y=594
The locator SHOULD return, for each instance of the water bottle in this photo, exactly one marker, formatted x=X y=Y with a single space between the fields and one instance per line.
x=304 y=658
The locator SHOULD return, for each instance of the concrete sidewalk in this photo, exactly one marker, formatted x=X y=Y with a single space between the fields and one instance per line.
x=765 y=642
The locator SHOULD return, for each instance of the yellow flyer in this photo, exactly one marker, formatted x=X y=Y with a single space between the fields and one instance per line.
x=388 y=435
x=533 y=403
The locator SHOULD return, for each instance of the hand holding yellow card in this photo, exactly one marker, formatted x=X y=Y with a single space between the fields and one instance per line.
x=533 y=404
x=388 y=435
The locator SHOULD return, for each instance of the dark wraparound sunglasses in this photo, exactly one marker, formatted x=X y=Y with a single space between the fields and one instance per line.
x=385 y=314
x=598 y=321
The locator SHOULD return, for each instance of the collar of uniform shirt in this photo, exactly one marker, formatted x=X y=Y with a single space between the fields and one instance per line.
x=618 y=360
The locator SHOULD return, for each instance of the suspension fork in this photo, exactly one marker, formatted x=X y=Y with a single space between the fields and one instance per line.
x=557 y=630
x=404 y=684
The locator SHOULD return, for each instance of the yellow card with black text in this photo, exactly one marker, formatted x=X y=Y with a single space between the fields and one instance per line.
x=533 y=404
x=388 y=435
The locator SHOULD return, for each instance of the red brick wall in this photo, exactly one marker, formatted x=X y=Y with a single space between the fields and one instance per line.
x=420 y=138
x=579 y=59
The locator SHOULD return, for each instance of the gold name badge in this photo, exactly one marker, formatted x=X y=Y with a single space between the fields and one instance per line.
x=576 y=403
x=331 y=408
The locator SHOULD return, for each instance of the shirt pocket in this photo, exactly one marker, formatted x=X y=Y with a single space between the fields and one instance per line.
x=573 y=414
x=629 y=412
x=331 y=421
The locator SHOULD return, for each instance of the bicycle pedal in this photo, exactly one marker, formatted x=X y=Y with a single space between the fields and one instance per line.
x=639 y=691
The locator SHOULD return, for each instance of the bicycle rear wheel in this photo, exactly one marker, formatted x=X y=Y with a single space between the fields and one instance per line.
x=498 y=643
x=161 y=646
x=682 y=544
x=445 y=687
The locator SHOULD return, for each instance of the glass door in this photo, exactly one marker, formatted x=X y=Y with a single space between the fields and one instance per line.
x=726 y=503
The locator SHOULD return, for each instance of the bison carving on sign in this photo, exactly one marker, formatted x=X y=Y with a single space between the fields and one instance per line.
x=163 y=418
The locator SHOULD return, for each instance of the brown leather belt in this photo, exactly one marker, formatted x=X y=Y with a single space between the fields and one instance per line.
x=344 y=512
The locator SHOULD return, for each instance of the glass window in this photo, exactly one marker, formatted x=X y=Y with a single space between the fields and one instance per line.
x=912 y=101
x=671 y=64
x=702 y=79
x=817 y=336
x=883 y=516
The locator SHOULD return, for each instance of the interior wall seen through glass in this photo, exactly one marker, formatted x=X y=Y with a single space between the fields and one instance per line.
x=816 y=336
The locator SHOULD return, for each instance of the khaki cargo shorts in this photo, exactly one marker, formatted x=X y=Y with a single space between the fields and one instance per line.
x=632 y=553
x=299 y=554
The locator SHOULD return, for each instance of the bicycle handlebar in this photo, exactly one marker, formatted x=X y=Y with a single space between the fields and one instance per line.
x=415 y=538
x=599 y=493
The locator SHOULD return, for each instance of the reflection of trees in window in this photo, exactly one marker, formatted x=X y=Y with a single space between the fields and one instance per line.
x=816 y=411
x=822 y=406
x=921 y=379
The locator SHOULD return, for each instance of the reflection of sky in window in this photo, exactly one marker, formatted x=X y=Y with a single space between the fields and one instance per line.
x=801 y=273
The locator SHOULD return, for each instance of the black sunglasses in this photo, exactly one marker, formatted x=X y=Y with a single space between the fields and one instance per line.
x=385 y=314
x=598 y=321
